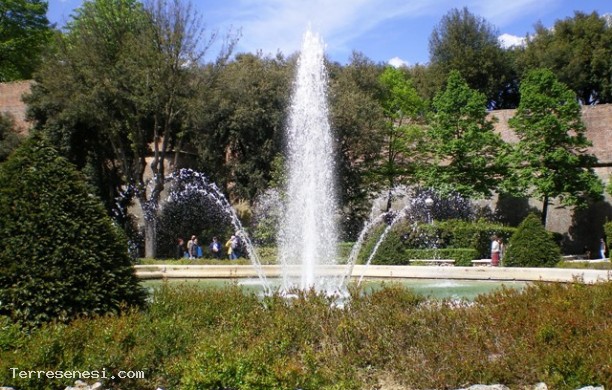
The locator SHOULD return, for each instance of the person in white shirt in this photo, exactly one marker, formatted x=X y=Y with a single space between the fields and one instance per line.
x=495 y=250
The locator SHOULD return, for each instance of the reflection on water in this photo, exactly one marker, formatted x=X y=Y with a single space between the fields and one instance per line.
x=433 y=288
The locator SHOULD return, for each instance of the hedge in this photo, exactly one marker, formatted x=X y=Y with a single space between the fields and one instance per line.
x=470 y=239
x=463 y=256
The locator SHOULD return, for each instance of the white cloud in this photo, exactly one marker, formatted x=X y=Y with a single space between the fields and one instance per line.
x=507 y=41
x=397 y=62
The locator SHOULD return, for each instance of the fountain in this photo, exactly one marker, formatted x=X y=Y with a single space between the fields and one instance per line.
x=307 y=238
x=308 y=235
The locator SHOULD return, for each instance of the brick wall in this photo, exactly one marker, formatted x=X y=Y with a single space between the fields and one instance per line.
x=598 y=121
x=580 y=228
x=10 y=102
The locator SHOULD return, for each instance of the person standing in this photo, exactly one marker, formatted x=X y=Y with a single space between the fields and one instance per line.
x=180 y=248
x=231 y=245
x=197 y=249
x=502 y=250
x=190 y=248
x=237 y=249
x=495 y=249
x=602 y=248
x=215 y=248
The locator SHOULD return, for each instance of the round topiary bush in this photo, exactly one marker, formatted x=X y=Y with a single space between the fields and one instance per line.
x=61 y=256
x=532 y=246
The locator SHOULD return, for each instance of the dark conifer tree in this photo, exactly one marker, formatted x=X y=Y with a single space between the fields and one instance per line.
x=61 y=256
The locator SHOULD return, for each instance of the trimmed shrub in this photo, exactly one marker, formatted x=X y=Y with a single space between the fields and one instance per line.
x=9 y=139
x=608 y=233
x=460 y=240
x=463 y=256
x=60 y=254
x=475 y=235
x=532 y=246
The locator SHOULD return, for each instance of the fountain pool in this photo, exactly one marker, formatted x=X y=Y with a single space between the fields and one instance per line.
x=437 y=289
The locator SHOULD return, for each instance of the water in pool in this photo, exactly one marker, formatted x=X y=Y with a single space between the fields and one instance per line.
x=433 y=288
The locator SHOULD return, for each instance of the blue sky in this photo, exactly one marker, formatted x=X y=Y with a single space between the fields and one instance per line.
x=383 y=30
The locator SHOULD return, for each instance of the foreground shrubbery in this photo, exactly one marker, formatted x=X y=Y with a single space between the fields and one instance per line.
x=60 y=254
x=193 y=338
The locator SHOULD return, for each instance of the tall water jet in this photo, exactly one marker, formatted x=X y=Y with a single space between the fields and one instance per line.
x=308 y=234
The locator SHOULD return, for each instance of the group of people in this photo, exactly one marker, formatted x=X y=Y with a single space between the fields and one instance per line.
x=193 y=249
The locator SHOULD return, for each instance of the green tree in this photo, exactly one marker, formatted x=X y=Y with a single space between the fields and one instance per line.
x=24 y=33
x=578 y=51
x=122 y=87
x=467 y=153
x=550 y=159
x=358 y=121
x=9 y=139
x=242 y=118
x=532 y=246
x=467 y=43
x=60 y=254
x=404 y=130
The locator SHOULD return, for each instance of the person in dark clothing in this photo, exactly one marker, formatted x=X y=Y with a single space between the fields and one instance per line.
x=180 y=249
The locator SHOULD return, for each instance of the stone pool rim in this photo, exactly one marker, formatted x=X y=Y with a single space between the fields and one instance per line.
x=235 y=271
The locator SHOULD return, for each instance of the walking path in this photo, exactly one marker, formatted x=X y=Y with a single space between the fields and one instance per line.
x=380 y=271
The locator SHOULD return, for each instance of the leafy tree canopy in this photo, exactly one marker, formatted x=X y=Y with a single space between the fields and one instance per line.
x=578 y=51
x=467 y=43
x=465 y=148
x=357 y=119
x=404 y=130
x=122 y=88
x=242 y=118
x=24 y=33
x=550 y=160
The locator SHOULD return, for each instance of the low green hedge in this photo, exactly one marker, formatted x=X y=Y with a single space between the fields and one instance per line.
x=463 y=256
x=477 y=235
x=608 y=233
x=459 y=240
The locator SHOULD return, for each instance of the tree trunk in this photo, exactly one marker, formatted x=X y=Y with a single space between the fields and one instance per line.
x=544 y=210
x=149 y=209
x=150 y=238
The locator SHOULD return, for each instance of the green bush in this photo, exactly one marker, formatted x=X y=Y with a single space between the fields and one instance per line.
x=463 y=256
x=60 y=254
x=532 y=246
x=475 y=235
x=222 y=338
x=608 y=233
x=9 y=138
x=462 y=241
